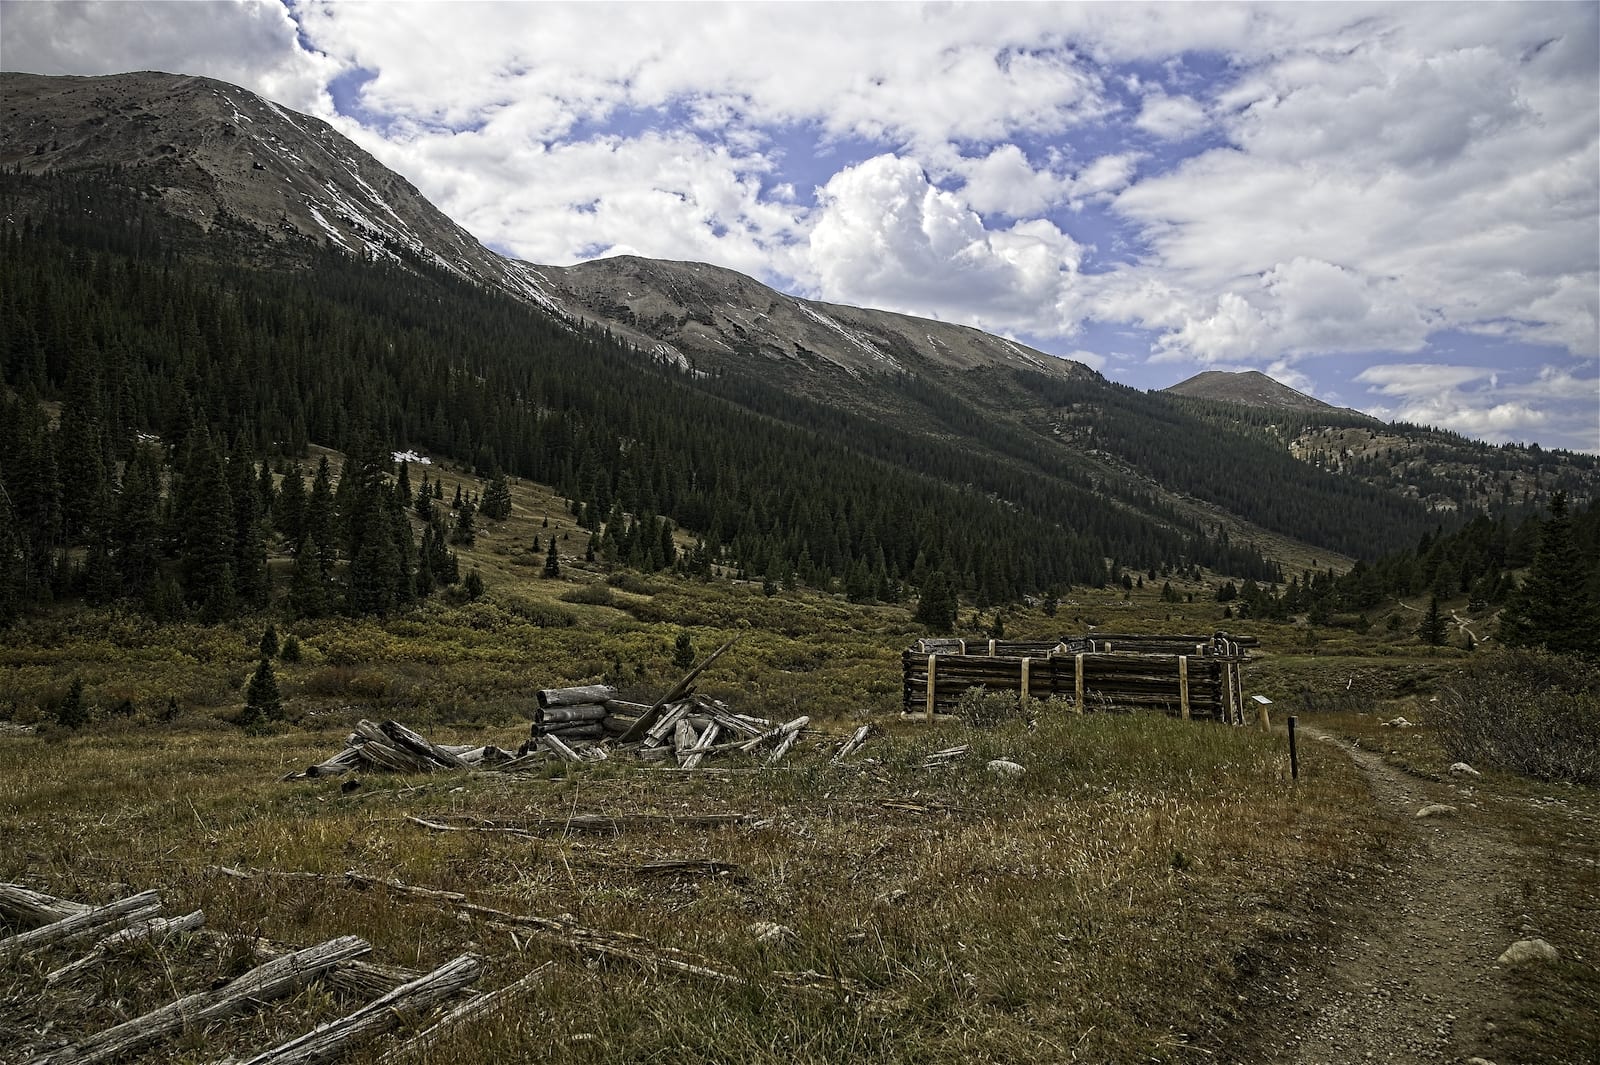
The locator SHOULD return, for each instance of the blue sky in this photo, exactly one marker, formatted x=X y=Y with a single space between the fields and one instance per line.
x=1392 y=207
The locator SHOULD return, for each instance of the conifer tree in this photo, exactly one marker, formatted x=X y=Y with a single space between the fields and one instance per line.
x=1432 y=627
x=465 y=533
x=683 y=652
x=289 y=511
x=552 y=562
x=205 y=531
x=269 y=642
x=73 y=712
x=473 y=585
x=497 y=498
x=937 y=607
x=403 y=484
x=1554 y=608
x=262 y=701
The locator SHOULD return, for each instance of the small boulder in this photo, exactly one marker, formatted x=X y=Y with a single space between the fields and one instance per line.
x=1437 y=809
x=1526 y=950
x=1002 y=767
x=1464 y=770
x=771 y=933
x=1399 y=722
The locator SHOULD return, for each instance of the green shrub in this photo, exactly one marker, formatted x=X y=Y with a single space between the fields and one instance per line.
x=982 y=708
x=589 y=595
x=1530 y=711
x=629 y=581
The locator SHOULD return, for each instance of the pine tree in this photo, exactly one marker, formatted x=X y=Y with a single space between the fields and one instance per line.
x=269 y=642
x=552 y=562
x=937 y=607
x=466 y=533
x=289 y=512
x=73 y=712
x=1554 y=607
x=403 y=484
x=205 y=532
x=1432 y=627
x=497 y=498
x=262 y=701
x=473 y=585
x=683 y=652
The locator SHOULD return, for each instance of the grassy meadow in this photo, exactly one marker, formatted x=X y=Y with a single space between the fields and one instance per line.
x=1113 y=904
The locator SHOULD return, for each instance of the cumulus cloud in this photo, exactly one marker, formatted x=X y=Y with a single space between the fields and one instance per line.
x=248 y=42
x=883 y=232
x=1171 y=117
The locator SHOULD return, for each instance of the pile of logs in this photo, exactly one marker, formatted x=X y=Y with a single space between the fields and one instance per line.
x=589 y=723
x=392 y=747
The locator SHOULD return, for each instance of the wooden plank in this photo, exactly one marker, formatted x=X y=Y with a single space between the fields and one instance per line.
x=1078 y=703
x=1183 y=686
x=1027 y=692
x=933 y=670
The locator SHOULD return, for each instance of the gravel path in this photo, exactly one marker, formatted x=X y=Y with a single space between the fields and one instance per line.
x=1415 y=981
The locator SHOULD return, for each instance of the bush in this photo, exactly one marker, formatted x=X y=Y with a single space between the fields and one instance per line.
x=629 y=581
x=1530 y=711
x=982 y=708
x=589 y=595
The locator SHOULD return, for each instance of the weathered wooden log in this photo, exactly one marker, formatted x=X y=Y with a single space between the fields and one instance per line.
x=946 y=756
x=557 y=747
x=26 y=908
x=684 y=737
x=118 y=914
x=265 y=982
x=421 y=746
x=662 y=727
x=473 y=1008
x=853 y=744
x=616 y=724
x=625 y=708
x=697 y=753
x=331 y=1040
x=777 y=732
x=151 y=928
x=583 y=712
x=589 y=693
x=574 y=730
x=783 y=747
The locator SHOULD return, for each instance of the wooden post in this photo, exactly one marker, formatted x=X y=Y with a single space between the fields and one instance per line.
x=991 y=648
x=1294 y=755
x=1026 y=693
x=1079 y=704
x=933 y=666
x=1227 y=692
x=1266 y=719
x=1183 y=686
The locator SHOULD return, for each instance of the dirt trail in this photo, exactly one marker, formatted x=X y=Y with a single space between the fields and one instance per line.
x=1414 y=980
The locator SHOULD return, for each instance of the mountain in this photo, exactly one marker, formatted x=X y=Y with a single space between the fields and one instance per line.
x=320 y=296
x=1249 y=387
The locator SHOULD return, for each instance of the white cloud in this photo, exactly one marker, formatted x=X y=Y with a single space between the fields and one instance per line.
x=248 y=42
x=884 y=234
x=1171 y=117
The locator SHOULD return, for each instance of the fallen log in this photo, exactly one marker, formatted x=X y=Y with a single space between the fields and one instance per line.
x=421 y=746
x=853 y=744
x=28 y=908
x=563 y=714
x=589 y=693
x=118 y=914
x=150 y=928
x=776 y=732
x=277 y=977
x=472 y=1009
x=331 y=1040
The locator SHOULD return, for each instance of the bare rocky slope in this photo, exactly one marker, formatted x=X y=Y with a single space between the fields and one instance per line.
x=1250 y=387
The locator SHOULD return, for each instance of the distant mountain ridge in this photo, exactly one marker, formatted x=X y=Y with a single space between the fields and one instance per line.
x=251 y=178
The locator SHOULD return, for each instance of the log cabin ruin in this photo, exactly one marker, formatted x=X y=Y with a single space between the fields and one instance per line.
x=1186 y=676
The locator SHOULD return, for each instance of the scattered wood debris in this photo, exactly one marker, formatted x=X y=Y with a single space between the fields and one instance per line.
x=589 y=723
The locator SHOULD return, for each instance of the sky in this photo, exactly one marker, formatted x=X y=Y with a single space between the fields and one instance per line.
x=1390 y=207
